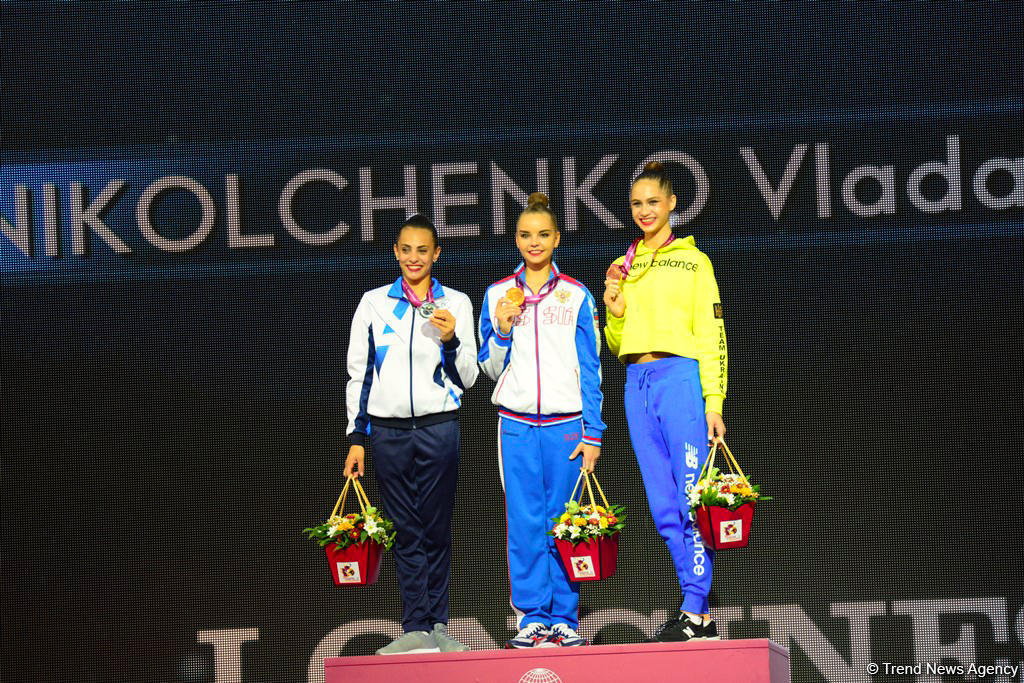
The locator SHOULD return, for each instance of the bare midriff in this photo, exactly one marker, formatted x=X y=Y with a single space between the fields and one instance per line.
x=647 y=357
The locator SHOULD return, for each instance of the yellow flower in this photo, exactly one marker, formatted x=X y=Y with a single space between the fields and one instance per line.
x=564 y=518
x=603 y=523
x=345 y=525
x=579 y=521
x=599 y=508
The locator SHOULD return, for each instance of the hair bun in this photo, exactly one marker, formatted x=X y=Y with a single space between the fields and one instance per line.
x=537 y=198
x=654 y=167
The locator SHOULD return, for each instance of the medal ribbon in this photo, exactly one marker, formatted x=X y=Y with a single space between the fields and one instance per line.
x=411 y=295
x=627 y=264
x=545 y=289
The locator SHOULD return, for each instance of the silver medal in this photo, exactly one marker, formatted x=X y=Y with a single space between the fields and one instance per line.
x=427 y=309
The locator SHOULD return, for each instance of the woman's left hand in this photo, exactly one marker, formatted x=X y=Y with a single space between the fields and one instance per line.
x=590 y=455
x=716 y=427
x=444 y=321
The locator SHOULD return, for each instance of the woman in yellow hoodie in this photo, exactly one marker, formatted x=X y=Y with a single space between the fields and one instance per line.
x=665 y=322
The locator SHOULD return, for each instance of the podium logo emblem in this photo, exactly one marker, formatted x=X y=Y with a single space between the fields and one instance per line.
x=540 y=676
x=730 y=531
x=348 y=572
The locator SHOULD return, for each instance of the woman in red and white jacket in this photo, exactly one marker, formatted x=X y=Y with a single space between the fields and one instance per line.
x=539 y=342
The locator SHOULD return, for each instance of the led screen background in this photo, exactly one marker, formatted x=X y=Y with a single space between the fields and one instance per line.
x=172 y=419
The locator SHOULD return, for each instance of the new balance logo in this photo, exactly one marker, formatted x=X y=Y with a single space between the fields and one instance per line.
x=691 y=456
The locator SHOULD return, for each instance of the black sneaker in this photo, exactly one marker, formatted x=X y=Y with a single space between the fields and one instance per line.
x=711 y=631
x=672 y=623
x=682 y=629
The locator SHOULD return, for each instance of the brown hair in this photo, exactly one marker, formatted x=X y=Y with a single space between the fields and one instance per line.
x=537 y=202
x=654 y=170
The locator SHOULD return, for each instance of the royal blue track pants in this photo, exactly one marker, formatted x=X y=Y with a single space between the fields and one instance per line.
x=665 y=412
x=417 y=470
x=538 y=478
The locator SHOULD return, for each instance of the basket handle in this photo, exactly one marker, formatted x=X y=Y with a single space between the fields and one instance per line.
x=730 y=460
x=364 y=500
x=585 y=477
x=360 y=496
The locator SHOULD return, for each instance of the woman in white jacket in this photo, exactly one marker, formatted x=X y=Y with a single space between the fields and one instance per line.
x=411 y=354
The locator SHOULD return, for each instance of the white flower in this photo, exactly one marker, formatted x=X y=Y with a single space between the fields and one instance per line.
x=333 y=531
x=560 y=530
x=371 y=526
x=574 y=531
x=730 y=498
x=592 y=528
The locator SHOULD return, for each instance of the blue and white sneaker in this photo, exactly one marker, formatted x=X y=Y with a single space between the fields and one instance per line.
x=531 y=635
x=563 y=636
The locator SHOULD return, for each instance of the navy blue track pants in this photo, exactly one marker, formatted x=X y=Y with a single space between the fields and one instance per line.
x=417 y=470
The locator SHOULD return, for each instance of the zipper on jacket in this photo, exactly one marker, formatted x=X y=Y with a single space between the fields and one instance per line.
x=412 y=332
x=536 y=343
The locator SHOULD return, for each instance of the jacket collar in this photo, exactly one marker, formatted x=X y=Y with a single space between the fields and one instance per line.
x=555 y=272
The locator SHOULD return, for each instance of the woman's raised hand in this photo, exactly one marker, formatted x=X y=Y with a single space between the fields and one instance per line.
x=444 y=321
x=506 y=312
x=614 y=300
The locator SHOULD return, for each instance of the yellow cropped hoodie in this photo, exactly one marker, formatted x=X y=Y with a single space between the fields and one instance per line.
x=674 y=308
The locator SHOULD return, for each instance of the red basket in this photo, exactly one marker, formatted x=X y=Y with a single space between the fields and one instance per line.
x=356 y=565
x=590 y=561
x=722 y=528
x=359 y=563
x=596 y=558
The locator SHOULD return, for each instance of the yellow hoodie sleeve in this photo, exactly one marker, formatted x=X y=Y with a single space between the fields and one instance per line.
x=709 y=334
x=613 y=331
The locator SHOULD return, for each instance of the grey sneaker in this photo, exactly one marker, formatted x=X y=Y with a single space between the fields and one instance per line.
x=445 y=642
x=411 y=643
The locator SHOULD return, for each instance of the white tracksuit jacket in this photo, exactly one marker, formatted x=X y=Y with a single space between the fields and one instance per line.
x=397 y=365
x=548 y=370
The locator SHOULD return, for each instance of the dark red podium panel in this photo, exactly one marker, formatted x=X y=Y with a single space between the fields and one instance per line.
x=723 y=661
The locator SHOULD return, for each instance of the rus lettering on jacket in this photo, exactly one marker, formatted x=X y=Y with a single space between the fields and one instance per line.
x=559 y=315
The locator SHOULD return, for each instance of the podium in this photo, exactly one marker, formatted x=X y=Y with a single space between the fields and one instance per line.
x=722 y=661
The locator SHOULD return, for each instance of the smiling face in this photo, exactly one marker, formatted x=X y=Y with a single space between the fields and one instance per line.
x=536 y=237
x=416 y=253
x=651 y=205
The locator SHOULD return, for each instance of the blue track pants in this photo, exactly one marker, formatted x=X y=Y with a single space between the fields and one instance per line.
x=417 y=470
x=538 y=478
x=665 y=412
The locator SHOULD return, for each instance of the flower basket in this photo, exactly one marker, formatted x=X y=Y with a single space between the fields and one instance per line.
x=722 y=528
x=354 y=542
x=355 y=565
x=723 y=504
x=591 y=560
x=587 y=536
